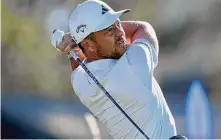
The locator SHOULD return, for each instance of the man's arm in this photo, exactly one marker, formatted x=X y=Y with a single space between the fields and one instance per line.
x=140 y=29
x=73 y=62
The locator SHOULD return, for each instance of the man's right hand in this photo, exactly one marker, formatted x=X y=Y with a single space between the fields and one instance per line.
x=67 y=44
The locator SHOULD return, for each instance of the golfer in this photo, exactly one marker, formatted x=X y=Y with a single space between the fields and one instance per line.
x=122 y=55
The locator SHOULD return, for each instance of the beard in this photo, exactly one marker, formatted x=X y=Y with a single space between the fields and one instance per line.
x=114 y=54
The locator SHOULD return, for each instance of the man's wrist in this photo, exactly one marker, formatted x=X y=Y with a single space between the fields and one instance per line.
x=69 y=56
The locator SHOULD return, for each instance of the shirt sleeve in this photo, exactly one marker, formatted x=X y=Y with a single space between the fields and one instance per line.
x=142 y=60
x=83 y=85
x=144 y=45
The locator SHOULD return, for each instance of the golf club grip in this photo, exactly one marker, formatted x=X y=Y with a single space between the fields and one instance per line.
x=105 y=91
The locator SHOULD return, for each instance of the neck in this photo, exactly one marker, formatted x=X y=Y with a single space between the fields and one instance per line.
x=91 y=59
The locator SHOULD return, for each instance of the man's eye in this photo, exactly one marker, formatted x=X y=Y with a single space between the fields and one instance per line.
x=118 y=24
x=110 y=29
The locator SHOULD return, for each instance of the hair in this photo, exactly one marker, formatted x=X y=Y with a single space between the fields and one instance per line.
x=91 y=37
x=80 y=46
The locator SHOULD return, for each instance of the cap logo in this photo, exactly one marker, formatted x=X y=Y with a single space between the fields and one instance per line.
x=104 y=9
x=81 y=28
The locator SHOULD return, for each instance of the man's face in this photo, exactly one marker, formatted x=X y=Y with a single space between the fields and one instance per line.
x=111 y=42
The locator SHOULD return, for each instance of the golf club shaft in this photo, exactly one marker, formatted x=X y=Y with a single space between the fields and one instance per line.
x=74 y=55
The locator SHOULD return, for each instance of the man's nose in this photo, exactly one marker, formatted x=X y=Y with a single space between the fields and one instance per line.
x=119 y=32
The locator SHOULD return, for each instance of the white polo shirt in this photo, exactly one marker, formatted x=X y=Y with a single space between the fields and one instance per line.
x=131 y=83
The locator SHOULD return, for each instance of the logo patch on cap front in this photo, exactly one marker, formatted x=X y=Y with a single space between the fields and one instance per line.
x=104 y=9
x=81 y=28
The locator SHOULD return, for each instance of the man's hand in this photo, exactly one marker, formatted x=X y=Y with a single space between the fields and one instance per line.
x=67 y=44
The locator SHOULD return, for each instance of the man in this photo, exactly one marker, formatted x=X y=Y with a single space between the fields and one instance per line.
x=122 y=55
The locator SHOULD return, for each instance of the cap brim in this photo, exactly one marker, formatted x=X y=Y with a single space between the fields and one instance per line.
x=111 y=18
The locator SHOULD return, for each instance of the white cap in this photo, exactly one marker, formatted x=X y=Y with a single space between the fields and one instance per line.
x=91 y=16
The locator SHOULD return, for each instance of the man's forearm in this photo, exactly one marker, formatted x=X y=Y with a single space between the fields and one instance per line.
x=140 y=29
x=73 y=63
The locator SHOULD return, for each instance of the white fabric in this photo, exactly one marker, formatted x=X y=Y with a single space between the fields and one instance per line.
x=131 y=83
x=91 y=16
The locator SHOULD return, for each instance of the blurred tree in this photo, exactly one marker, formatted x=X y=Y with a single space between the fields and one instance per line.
x=29 y=63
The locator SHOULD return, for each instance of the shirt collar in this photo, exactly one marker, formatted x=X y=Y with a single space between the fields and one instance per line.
x=100 y=64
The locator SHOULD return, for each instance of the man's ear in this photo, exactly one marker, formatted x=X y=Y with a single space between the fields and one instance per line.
x=89 y=45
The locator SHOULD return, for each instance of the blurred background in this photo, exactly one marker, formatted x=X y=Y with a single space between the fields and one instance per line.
x=37 y=98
